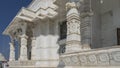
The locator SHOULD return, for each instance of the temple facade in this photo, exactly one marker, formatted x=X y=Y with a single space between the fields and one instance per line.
x=66 y=34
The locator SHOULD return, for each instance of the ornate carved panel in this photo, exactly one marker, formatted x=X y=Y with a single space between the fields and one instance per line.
x=115 y=58
x=83 y=59
x=92 y=59
x=75 y=60
x=67 y=61
x=103 y=58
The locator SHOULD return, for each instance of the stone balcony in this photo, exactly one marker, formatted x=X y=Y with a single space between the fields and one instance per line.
x=95 y=57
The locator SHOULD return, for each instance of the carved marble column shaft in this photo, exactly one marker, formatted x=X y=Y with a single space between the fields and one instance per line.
x=33 y=48
x=86 y=31
x=86 y=25
x=12 y=52
x=23 y=48
x=73 y=42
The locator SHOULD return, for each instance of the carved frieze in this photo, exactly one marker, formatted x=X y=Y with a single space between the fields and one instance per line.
x=67 y=60
x=116 y=56
x=110 y=57
x=103 y=58
x=92 y=60
x=75 y=60
x=83 y=60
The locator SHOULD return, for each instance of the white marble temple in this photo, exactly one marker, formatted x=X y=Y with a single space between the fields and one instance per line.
x=88 y=25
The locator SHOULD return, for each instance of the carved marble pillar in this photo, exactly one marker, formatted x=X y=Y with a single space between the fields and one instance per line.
x=12 y=47
x=33 y=45
x=33 y=48
x=86 y=24
x=23 y=48
x=73 y=42
x=86 y=31
x=12 y=51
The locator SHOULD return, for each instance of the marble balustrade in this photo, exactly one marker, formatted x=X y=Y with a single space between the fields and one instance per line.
x=95 y=57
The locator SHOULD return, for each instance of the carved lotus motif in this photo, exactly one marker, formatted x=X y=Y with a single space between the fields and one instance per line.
x=103 y=57
x=75 y=59
x=74 y=26
x=116 y=56
x=92 y=58
x=83 y=59
x=67 y=60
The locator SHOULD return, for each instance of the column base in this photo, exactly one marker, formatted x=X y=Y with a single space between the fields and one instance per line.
x=22 y=59
x=47 y=64
x=86 y=47
x=73 y=48
x=33 y=64
x=11 y=59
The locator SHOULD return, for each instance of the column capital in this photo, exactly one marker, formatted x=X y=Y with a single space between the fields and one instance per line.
x=23 y=36
x=23 y=26
x=86 y=14
x=70 y=5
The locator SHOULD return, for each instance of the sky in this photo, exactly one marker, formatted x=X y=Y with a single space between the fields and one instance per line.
x=8 y=10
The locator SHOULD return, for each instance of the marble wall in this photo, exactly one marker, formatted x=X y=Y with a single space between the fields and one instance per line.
x=46 y=43
x=105 y=23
